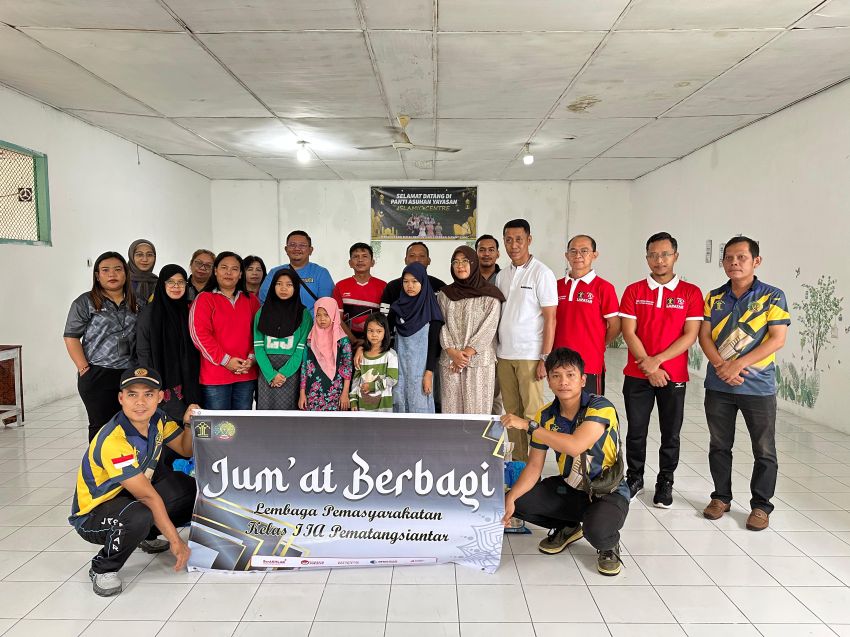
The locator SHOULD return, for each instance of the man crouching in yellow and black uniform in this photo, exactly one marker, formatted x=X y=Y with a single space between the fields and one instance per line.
x=592 y=503
x=121 y=501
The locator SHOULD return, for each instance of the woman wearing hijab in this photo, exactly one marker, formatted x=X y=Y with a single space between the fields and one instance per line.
x=471 y=309
x=163 y=343
x=416 y=319
x=281 y=328
x=327 y=368
x=142 y=259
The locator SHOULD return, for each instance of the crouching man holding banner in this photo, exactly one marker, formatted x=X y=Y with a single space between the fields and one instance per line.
x=116 y=504
x=590 y=497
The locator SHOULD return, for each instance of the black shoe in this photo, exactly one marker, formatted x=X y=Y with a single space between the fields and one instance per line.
x=635 y=483
x=663 y=493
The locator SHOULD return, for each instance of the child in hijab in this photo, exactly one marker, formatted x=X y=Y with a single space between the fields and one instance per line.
x=142 y=259
x=280 y=335
x=327 y=367
x=417 y=320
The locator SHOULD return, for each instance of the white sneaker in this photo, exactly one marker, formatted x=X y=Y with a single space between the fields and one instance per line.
x=105 y=584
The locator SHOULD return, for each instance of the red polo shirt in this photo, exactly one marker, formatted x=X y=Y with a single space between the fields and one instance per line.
x=358 y=300
x=661 y=312
x=580 y=321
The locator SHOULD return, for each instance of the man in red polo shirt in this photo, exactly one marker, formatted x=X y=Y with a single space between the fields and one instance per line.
x=586 y=319
x=359 y=295
x=660 y=318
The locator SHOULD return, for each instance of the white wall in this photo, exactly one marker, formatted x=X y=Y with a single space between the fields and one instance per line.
x=784 y=181
x=336 y=214
x=104 y=193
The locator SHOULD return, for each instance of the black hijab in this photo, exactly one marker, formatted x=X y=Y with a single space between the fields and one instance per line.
x=279 y=318
x=413 y=312
x=172 y=351
x=474 y=285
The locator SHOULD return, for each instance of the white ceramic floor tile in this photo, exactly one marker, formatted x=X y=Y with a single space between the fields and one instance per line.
x=651 y=543
x=497 y=603
x=646 y=630
x=17 y=515
x=214 y=602
x=351 y=629
x=360 y=576
x=726 y=630
x=699 y=604
x=672 y=570
x=264 y=629
x=10 y=561
x=548 y=569
x=142 y=602
x=797 y=571
x=631 y=605
x=354 y=603
x=559 y=630
x=198 y=629
x=769 y=605
x=431 y=574
x=51 y=627
x=712 y=542
x=740 y=570
x=426 y=603
x=72 y=600
x=498 y=630
x=765 y=542
x=818 y=543
x=543 y=608
x=831 y=605
x=99 y=628
x=285 y=602
x=29 y=538
x=394 y=629
x=50 y=567
x=795 y=630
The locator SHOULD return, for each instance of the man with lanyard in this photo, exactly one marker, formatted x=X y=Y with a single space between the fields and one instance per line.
x=660 y=318
x=359 y=295
x=121 y=501
x=487 y=248
x=316 y=281
x=746 y=322
x=576 y=422
x=526 y=329
x=587 y=318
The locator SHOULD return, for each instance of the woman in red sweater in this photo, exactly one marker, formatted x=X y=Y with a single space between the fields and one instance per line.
x=221 y=325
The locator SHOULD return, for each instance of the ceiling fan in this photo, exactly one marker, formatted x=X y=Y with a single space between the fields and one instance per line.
x=404 y=142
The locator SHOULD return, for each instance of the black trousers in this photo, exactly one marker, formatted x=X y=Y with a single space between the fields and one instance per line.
x=595 y=384
x=553 y=504
x=121 y=523
x=721 y=411
x=98 y=388
x=640 y=397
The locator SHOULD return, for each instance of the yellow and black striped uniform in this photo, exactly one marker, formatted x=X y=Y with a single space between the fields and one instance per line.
x=739 y=325
x=601 y=455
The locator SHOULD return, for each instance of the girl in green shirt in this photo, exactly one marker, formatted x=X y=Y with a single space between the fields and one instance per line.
x=280 y=332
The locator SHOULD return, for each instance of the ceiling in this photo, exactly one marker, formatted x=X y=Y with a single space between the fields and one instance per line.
x=600 y=89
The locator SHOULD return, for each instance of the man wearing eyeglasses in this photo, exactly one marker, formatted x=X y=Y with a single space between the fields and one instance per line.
x=316 y=281
x=746 y=322
x=200 y=266
x=660 y=318
x=587 y=317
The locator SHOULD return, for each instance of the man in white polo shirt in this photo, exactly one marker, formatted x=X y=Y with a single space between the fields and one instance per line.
x=526 y=330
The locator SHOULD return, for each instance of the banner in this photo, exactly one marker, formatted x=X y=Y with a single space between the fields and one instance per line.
x=417 y=212
x=325 y=489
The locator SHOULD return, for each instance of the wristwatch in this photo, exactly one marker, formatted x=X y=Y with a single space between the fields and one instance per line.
x=543 y=357
x=533 y=426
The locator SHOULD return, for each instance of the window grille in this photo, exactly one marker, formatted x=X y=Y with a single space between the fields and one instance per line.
x=24 y=201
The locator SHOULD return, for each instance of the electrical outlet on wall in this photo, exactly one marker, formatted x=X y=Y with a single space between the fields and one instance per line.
x=708 y=250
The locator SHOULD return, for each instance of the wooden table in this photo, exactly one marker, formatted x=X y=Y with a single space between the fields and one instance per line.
x=13 y=353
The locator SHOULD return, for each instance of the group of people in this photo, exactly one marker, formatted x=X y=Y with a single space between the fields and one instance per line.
x=424 y=226
x=233 y=334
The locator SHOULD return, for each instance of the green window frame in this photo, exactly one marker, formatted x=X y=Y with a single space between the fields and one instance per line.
x=41 y=196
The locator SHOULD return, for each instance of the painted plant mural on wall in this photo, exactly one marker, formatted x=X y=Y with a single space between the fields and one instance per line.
x=817 y=317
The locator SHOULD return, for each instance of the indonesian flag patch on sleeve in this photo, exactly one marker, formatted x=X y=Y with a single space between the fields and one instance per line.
x=123 y=461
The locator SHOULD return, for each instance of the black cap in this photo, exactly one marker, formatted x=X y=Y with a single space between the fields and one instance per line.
x=141 y=376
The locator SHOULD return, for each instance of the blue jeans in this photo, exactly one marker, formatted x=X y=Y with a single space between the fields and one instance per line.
x=238 y=396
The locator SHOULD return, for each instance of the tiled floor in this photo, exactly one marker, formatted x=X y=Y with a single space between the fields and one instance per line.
x=683 y=575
